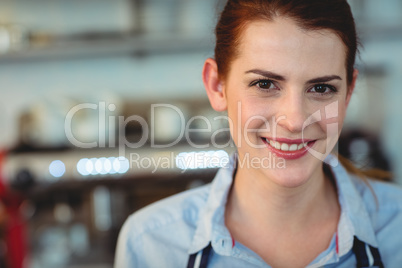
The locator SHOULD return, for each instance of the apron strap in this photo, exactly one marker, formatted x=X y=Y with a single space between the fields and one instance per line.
x=366 y=255
x=200 y=258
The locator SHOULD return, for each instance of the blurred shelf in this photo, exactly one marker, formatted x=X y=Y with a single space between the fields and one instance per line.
x=134 y=45
x=143 y=184
x=177 y=165
x=142 y=45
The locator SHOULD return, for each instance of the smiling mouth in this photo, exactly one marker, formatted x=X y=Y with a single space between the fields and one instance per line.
x=288 y=147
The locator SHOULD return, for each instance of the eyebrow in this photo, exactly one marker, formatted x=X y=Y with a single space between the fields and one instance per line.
x=324 y=79
x=278 y=77
x=267 y=74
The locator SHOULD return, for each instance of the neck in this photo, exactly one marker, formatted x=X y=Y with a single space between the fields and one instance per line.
x=256 y=200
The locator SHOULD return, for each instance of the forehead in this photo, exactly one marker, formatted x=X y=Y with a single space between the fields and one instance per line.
x=283 y=46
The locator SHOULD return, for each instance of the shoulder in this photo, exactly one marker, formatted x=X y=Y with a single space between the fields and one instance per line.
x=379 y=195
x=166 y=227
x=183 y=207
x=384 y=206
x=177 y=211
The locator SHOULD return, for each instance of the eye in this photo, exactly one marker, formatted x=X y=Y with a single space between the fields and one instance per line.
x=264 y=84
x=323 y=89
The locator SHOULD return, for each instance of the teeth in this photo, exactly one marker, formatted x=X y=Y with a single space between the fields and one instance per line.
x=293 y=147
x=285 y=146
x=300 y=146
x=278 y=145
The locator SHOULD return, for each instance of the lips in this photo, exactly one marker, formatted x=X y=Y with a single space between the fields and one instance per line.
x=288 y=149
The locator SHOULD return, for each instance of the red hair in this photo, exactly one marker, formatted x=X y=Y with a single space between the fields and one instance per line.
x=333 y=15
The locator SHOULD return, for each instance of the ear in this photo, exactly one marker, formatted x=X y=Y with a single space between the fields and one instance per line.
x=351 y=87
x=213 y=86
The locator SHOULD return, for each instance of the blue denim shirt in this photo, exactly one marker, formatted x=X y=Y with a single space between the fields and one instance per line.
x=166 y=232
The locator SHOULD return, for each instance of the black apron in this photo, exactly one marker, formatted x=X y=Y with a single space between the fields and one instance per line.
x=366 y=256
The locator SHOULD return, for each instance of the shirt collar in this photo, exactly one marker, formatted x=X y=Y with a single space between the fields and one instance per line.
x=354 y=219
x=212 y=215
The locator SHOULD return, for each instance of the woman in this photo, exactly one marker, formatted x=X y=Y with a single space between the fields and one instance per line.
x=284 y=72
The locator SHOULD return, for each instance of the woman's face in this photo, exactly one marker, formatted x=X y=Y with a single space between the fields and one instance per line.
x=286 y=96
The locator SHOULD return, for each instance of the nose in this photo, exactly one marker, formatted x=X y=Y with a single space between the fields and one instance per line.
x=292 y=112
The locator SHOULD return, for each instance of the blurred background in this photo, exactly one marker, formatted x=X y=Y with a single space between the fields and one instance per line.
x=79 y=80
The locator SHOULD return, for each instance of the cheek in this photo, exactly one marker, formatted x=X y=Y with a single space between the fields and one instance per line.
x=255 y=114
x=233 y=112
x=333 y=118
x=246 y=115
x=341 y=118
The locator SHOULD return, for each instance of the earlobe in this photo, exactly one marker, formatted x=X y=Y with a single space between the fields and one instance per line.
x=213 y=86
x=351 y=87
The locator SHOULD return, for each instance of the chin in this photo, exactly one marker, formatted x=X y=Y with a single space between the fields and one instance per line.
x=294 y=173
x=290 y=178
